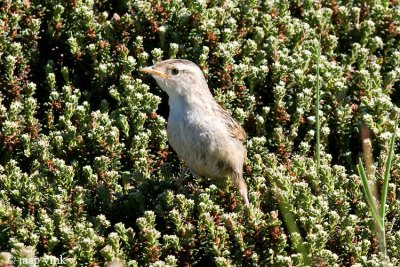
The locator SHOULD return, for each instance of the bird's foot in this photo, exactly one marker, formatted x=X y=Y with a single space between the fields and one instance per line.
x=179 y=181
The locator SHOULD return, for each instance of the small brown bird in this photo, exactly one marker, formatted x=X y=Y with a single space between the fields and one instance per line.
x=207 y=138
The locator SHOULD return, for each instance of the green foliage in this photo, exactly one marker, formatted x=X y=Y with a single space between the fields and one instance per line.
x=379 y=218
x=86 y=174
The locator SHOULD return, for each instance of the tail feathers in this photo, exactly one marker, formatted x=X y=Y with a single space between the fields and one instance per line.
x=237 y=178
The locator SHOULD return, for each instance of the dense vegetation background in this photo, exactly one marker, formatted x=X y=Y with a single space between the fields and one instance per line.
x=86 y=171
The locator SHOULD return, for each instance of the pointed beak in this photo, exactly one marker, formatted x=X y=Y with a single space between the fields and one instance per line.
x=152 y=71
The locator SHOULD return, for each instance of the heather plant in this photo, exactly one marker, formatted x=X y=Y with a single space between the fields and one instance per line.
x=86 y=174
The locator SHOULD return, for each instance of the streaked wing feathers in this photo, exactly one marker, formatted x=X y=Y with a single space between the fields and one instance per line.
x=236 y=131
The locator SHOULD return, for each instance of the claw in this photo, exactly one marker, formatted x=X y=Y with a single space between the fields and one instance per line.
x=179 y=181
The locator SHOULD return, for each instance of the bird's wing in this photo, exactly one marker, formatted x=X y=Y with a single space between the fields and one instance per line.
x=236 y=131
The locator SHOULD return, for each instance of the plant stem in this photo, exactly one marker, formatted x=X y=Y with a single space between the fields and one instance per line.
x=368 y=195
x=387 y=174
x=317 y=103
x=385 y=187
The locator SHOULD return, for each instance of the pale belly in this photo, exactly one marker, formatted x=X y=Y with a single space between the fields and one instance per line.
x=206 y=147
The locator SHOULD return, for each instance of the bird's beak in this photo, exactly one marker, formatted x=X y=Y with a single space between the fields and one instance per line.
x=152 y=71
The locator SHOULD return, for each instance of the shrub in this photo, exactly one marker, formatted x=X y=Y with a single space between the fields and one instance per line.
x=86 y=173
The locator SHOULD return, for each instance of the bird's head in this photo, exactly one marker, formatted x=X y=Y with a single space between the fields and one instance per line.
x=178 y=77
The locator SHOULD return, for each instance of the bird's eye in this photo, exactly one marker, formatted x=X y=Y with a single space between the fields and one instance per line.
x=174 y=71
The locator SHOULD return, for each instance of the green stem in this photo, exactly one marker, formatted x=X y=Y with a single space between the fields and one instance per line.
x=387 y=175
x=385 y=187
x=292 y=228
x=317 y=103
x=368 y=195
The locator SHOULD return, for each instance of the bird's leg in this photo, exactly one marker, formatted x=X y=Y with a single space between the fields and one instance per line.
x=195 y=175
x=237 y=178
x=182 y=175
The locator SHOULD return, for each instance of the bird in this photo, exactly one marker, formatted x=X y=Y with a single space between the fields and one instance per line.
x=202 y=133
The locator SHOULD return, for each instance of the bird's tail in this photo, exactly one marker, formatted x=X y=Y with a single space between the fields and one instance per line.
x=237 y=178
